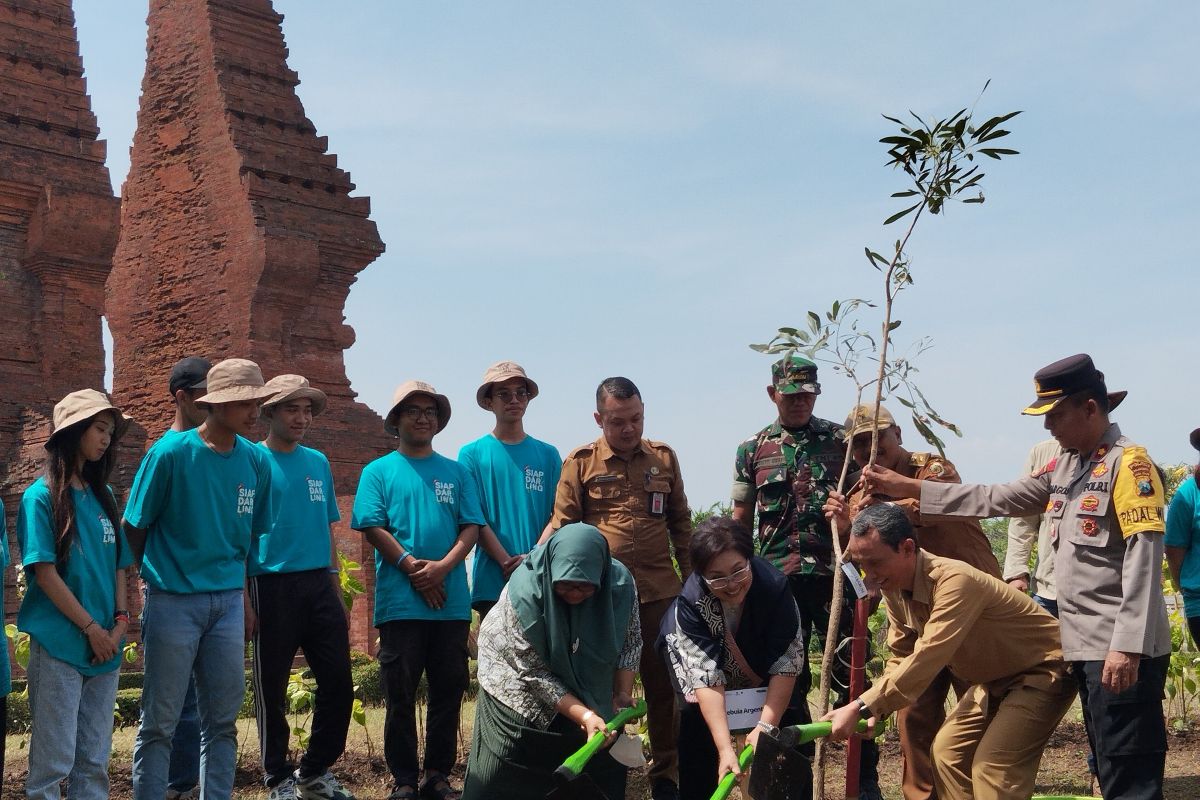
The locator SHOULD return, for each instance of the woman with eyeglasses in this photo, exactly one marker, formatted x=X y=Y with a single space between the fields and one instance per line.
x=735 y=626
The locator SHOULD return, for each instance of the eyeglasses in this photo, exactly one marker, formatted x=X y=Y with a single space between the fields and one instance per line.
x=505 y=395
x=414 y=413
x=736 y=579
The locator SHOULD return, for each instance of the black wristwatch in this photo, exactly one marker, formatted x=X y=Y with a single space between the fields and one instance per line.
x=864 y=712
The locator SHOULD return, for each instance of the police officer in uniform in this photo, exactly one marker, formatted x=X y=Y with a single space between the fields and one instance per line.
x=631 y=490
x=1105 y=499
x=785 y=472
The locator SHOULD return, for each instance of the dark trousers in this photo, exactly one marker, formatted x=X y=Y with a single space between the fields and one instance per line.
x=814 y=598
x=300 y=611
x=1127 y=731
x=408 y=648
x=698 y=751
x=662 y=718
x=1194 y=627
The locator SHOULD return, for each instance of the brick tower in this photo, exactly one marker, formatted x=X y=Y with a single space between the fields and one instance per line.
x=58 y=227
x=239 y=236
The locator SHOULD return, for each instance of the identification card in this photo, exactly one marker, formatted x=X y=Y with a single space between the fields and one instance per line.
x=658 y=501
x=743 y=708
x=851 y=571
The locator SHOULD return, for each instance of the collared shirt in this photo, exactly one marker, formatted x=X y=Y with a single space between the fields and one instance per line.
x=789 y=474
x=638 y=503
x=1024 y=531
x=1106 y=509
x=961 y=539
x=956 y=617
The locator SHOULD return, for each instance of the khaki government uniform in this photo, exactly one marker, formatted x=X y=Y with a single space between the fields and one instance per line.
x=1024 y=531
x=998 y=642
x=1107 y=518
x=960 y=539
x=638 y=504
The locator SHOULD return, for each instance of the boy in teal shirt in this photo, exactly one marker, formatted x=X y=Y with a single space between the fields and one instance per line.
x=204 y=495
x=515 y=475
x=296 y=593
x=420 y=512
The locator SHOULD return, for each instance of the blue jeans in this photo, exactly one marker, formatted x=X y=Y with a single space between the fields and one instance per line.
x=1050 y=606
x=71 y=719
x=185 y=744
x=200 y=634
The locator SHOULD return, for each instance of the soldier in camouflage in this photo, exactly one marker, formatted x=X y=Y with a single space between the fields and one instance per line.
x=785 y=472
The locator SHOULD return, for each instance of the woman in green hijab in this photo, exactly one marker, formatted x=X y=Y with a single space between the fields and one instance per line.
x=557 y=656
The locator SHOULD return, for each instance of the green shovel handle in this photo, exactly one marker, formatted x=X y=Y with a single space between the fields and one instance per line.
x=819 y=730
x=579 y=759
x=726 y=784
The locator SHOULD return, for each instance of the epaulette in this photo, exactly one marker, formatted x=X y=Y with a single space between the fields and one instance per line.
x=918 y=459
x=582 y=450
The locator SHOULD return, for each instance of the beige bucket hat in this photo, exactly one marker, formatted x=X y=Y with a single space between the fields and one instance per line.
x=500 y=372
x=83 y=405
x=406 y=390
x=862 y=420
x=295 y=387
x=235 y=379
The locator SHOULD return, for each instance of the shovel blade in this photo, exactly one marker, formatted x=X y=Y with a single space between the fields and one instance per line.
x=781 y=771
x=574 y=787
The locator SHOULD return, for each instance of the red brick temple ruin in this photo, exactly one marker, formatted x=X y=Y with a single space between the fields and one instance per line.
x=58 y=227
x=239 y=236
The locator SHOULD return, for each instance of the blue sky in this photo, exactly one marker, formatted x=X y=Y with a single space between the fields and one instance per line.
x=646 y=188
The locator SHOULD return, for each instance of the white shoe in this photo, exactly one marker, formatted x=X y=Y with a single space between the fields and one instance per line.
x=322 y=787
x=284 y=790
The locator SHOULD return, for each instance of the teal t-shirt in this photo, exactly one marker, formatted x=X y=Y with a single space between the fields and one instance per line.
x=1183 y=530
x=5 y=667
x=422 y=502
x=203 y=508
x=302 y=494
x=516 y=485
x=98 y=552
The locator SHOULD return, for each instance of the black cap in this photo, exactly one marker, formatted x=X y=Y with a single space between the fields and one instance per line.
x=1195 y=438
x=190 y=373
x=1058 y=381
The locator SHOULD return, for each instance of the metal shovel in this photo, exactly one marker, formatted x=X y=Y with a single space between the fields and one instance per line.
x=571 y=784
x=781 y=771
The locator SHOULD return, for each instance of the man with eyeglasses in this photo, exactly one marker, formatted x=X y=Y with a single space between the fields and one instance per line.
x=630 y=488
x=785 y=472
x=420 y=512
x=515 y=475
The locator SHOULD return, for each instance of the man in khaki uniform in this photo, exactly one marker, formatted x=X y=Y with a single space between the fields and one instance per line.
x=1024 y=531
x=946 y=615
x=630 y=488
x=1105 y=500
x=960 y=539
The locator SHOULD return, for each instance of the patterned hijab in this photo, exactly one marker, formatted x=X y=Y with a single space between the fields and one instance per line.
x=580 y=643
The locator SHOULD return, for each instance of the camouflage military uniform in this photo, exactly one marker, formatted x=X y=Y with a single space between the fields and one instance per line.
x=790 y=474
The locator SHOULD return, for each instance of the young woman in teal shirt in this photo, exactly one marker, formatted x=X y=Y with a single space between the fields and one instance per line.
x=74 y=554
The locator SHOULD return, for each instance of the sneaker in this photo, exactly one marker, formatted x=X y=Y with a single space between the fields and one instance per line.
x=322 y=787
x=284 y=790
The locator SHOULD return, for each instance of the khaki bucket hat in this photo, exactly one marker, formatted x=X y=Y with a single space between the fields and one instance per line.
x=83 y=405
x=500 y=372
x=235 y=379
x=407 y=390
x=295 y=387
x=862 y=420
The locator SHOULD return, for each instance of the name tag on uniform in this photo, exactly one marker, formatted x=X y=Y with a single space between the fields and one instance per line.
x=743 y=707
x=607 y=478
x=658 y=502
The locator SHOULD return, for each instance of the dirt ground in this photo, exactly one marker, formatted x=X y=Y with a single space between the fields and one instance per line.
x=1063 y=771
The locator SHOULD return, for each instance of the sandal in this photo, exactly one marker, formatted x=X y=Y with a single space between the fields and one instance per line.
x=436 y=786
x=403 y=793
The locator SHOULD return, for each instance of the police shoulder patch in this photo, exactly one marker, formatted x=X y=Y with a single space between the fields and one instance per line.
x=1138 y=493
x=1047 y=469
